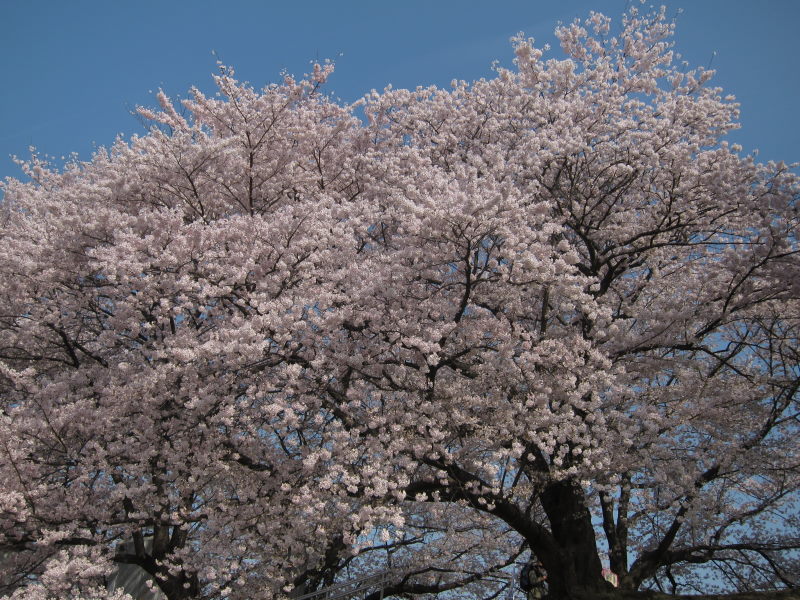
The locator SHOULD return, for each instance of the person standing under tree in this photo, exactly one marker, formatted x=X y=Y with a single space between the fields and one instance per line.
x=532 y=580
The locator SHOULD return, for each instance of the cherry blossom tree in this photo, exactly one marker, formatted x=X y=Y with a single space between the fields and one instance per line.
x=270 y=345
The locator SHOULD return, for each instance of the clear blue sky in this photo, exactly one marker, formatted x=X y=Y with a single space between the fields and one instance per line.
x=73 y=70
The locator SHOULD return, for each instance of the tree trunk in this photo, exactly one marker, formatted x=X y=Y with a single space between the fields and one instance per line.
x=576 y=570
x=180 y=587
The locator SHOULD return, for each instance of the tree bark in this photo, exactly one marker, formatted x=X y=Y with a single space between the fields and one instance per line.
x=576 y=569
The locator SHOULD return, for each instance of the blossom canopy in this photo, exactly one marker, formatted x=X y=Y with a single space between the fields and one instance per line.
x=278 y=342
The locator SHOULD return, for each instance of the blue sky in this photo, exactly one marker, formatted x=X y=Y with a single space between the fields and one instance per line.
x=74 y=70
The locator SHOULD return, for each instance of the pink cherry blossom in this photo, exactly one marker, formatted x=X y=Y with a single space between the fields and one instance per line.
x=271 y=344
